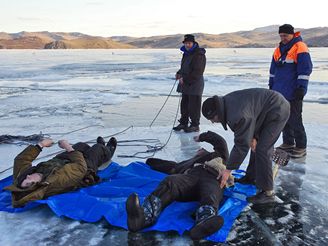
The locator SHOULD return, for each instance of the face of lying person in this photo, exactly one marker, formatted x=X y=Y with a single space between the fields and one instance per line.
x=31 y=180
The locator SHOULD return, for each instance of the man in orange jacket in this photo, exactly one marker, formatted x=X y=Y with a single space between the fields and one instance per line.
x=290 y=71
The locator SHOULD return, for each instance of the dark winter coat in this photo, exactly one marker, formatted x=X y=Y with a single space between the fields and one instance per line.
x=246 y=112
x=192 y=68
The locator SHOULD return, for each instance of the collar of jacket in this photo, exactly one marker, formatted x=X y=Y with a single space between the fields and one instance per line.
x=297 y=38
x=188 y=52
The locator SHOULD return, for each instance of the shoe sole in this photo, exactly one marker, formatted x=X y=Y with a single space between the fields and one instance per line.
x=133 y=213
x=288 y=150
x=190 y=131
x=206 y=228
x=296 y=156
x=269 y=200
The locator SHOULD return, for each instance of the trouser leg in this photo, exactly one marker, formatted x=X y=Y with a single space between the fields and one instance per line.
x=194 y=107
x=162 y=165
x=288 y=134
x=296 y=108
x=177 y=187
x=184 y=109
x=210 y=192
x=264 y=149
x=96 y=156
x=80 y=146
x=251 y=168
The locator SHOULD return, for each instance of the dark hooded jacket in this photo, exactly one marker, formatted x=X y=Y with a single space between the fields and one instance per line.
x=246 y=112
x=192 y=68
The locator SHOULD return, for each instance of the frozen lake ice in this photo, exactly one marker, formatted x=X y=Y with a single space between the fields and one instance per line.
x=60 y=91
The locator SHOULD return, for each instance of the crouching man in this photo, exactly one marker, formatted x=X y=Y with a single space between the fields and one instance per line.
x=72 y=169
x=196 y=179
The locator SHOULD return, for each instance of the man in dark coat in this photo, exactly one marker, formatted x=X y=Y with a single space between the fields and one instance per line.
x=259 y=114
x=195 y=179
x=191 y=84
x=72 y=169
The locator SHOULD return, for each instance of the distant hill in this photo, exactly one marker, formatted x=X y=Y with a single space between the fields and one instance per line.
x=57 y=40
x=259 y=37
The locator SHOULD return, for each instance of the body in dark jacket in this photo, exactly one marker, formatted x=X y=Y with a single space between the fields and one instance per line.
x=251 y=113
x=195 y=179
x=191 y=73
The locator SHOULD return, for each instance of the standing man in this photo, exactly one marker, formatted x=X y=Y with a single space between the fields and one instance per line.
x=191 y=84
x=251 y=113
x=290 y=71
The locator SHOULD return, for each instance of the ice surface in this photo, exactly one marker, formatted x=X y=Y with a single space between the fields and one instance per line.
x=60 y=91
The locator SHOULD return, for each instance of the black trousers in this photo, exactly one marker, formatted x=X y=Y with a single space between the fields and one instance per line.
x=294 y=131
x=198 y=184
x=190 y=108
x=94 y=156
x=260 y=163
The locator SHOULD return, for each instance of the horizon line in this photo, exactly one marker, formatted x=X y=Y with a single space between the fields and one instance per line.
x=154 y=35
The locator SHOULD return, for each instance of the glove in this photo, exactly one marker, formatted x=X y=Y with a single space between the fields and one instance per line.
x=299 y=93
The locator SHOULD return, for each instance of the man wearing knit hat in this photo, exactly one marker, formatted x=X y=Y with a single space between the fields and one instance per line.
x=259 y=114
x=290 y=70
x=191 y=84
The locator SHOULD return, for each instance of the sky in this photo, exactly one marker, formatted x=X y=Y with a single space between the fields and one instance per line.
x=141 y=18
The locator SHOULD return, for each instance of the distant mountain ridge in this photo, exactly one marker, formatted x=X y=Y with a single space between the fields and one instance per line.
x=259 y=37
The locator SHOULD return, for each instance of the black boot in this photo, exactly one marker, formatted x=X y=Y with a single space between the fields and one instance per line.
x=101 y=140
x=112 y=143
x=207 y=222
x=179 y=127
x=245 y=180
x=140 y=217
x=191 y=129
x=262 y=197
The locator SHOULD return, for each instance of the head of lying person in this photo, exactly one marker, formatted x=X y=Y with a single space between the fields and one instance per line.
x=30 y=180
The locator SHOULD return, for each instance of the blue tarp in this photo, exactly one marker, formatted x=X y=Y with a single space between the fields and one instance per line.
x=107 y=199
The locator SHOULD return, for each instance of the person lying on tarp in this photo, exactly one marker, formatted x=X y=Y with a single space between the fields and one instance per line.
x=196 y=179
x=67 y=171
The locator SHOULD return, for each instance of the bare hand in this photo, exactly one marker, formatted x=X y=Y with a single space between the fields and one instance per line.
x=64 y=144
x=196 y=138
x=253 y=144
x=177 y=76
x=47 y=142
x=181 y=81
x=224 y=177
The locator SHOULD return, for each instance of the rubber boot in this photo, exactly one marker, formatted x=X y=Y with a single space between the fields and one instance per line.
x=140 y=217
x=207 y=222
